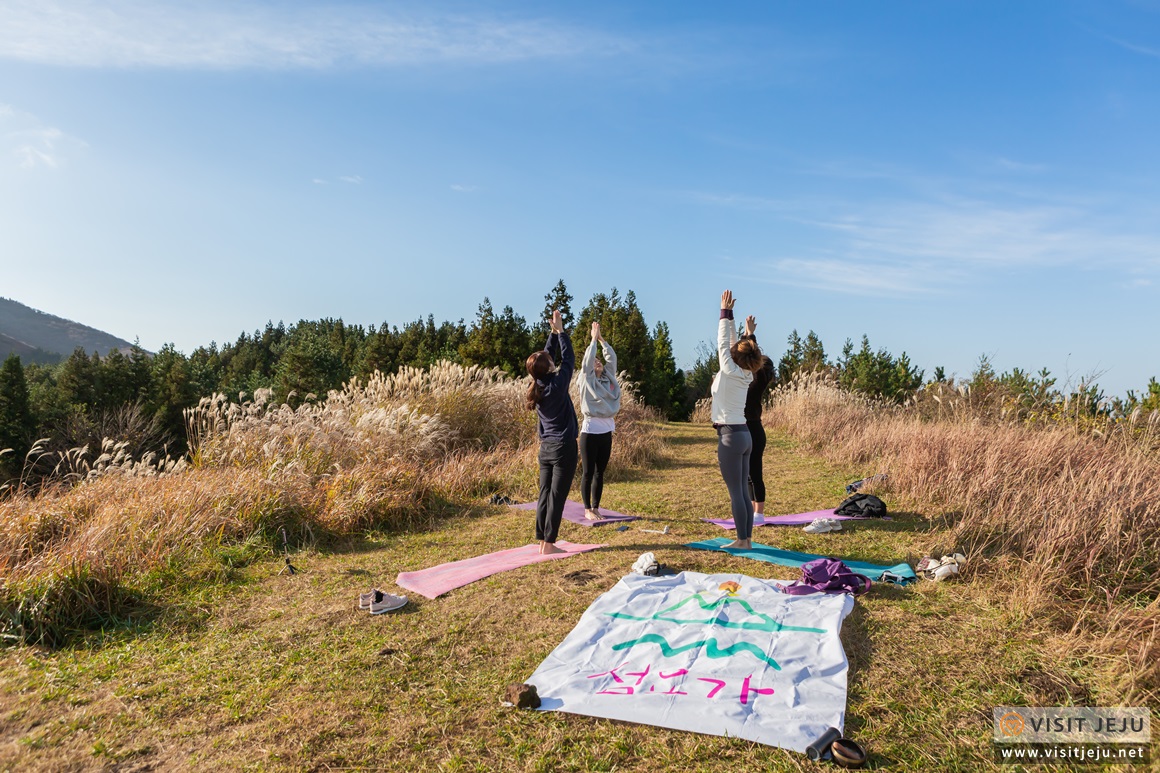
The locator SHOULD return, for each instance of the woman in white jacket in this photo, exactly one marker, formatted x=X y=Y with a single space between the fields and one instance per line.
x=738 y=359
x=599 y=403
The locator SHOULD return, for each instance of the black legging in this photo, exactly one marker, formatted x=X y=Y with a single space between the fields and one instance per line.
x=595 y=451
x=557 y=469
x=756 y=472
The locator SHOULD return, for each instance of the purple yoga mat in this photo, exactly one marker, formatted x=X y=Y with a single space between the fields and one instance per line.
x=798 y=519
x=437 y=580
x=574 y=512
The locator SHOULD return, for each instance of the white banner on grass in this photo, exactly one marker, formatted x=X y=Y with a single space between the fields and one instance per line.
x=692 y=652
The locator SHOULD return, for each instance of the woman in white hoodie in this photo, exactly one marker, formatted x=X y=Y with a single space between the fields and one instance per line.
x=599 y=403
x=738 y=359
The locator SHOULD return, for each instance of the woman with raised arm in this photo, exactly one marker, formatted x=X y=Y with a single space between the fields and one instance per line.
x=762 y=378
x=599 y=403
x=738 y=360
x=548 y=397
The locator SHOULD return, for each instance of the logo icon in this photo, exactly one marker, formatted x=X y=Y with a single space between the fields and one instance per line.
x=1011 y=724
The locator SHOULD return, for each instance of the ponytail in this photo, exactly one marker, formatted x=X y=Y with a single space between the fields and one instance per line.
x=539 y=365
x=746 y=354
x=534 y=395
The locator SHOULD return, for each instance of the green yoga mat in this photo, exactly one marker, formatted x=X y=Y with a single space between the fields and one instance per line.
x=774 y=555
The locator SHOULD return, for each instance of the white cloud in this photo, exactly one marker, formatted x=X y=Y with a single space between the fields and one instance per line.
x=222 y=35
x=1020 y=166
x=850 y=276
x=31 y=143
x=458 y=188
x=929 y=241
x=352 y=179
x=1145 y=50
x=318 y=181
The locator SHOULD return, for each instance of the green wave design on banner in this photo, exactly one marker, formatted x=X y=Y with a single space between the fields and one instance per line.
x=712 y=649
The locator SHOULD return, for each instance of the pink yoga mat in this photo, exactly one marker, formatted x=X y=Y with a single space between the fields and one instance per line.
x=798 y=519
x=574 y=512
x=437 y=580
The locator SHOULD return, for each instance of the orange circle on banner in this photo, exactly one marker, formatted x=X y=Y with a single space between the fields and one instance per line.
x=1011 y=724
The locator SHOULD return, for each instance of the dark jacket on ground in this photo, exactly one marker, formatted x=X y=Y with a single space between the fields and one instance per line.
x=556 y=412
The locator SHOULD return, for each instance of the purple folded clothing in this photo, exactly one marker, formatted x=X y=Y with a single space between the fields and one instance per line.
x=574 y=512
x=797 y=519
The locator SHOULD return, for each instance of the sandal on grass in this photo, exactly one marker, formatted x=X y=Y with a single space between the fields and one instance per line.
x=847 y=753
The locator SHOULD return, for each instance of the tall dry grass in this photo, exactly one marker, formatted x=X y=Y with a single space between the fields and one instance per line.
x=394 y=452
x=1072 y=517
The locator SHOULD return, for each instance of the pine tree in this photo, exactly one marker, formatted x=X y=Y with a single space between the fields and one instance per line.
x=382 y=351
x=804 y=356
x=476 y=350
x=310 y=365
x=667 y=386
x=77 y=379
x=140 y=376
x=557 y=298
x=813 y=353
x=502 y=341
x=173 y=392
x=877 y=373
x=17 y=424
x=634 y=345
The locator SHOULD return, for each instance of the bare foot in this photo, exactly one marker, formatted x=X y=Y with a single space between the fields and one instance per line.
x=592 y=514
x=739 y=544
x=548 y=548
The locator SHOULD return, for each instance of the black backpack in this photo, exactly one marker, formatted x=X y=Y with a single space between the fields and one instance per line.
x=862 y=506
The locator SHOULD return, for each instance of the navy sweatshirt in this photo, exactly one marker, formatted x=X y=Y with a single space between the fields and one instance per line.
x=556 y=412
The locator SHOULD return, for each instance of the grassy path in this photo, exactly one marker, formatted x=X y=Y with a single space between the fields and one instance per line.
x=278 y=672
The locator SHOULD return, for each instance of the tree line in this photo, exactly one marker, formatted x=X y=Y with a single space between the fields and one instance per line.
x=140 y=397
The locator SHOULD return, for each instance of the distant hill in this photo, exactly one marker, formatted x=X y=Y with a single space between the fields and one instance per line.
x=40 y=337
x=9 y=345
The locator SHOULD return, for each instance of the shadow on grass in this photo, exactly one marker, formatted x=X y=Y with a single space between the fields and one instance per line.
x=898 y=523
x=680 y=439
x=860 y=653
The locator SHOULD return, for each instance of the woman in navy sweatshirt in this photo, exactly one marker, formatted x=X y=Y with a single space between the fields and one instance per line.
x=548 y=397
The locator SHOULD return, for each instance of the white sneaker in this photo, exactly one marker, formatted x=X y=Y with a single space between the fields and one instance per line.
x=365 y=599
x=945 y=571
x=819 y=526
x=834 y=524
x=387 y=603
x=759 y=519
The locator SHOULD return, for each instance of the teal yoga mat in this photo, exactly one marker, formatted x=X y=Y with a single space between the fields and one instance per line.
x=774 y=555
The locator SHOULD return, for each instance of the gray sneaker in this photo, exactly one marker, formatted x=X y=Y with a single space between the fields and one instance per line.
x=387 y=603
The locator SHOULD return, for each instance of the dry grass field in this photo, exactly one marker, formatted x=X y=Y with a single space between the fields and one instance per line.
x=181 y=646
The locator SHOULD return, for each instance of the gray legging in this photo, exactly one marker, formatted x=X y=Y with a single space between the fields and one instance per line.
x=734 y=446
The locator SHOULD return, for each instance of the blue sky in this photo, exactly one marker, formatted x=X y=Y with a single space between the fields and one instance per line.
x=950 y=178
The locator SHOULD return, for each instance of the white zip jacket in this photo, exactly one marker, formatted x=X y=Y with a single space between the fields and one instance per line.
x=731 y=384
